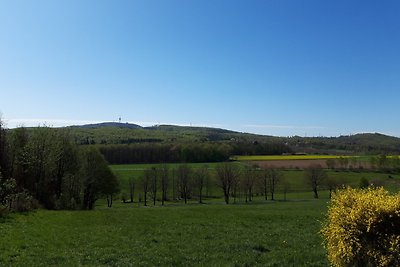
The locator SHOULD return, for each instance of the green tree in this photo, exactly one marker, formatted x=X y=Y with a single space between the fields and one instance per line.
x=3 y=150
x=97 y=177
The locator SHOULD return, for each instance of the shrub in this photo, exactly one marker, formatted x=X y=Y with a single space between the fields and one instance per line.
x=363 y=228
x=364 y=182
x=23 y=201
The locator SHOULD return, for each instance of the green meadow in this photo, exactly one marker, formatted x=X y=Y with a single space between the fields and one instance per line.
x=260 y=233
x=286 y=157
x=272 y=233
x=295 y=181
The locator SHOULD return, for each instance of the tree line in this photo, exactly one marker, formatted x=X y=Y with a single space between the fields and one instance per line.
x=382 y=163
x=235 y=183
x=187 y=152
x=44 y=167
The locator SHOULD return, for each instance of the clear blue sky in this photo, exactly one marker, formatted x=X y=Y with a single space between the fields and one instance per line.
x=272 y=66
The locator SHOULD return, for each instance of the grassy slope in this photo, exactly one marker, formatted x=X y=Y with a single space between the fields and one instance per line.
x=264 y=234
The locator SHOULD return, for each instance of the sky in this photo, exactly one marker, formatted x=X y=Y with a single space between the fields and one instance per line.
x=275 y=67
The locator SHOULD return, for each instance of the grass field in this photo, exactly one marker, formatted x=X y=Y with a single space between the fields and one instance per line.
x=258 y=234
x=298 y=185
x=262 y=233
x=286 y=157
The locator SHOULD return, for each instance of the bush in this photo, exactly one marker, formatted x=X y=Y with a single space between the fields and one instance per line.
x=23 y=201
x=363 y=228
x=364 y=182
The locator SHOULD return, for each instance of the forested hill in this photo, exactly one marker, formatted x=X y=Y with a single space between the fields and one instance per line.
x=124 y=133
x=365 y=143
x=109 y=124
x=123 y=143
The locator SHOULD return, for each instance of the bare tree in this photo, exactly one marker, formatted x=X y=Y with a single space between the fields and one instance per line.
x=344 y=162
x=249 y=178
x=153 y=184
x=201 y=176
x=332 y=184
x=285 y=188
x=264 y=183
x=173 y=175
x=228 y=174
x=315 y=175
x=131 y=188
x=164 y=180
x=273 y=177
x=146 y=184
x=184 y=181
x=331 y=163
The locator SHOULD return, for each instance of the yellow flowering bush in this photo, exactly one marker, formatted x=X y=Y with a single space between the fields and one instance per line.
x=363 y=228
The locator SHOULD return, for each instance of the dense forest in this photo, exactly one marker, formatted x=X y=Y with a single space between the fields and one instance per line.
x=45 y=167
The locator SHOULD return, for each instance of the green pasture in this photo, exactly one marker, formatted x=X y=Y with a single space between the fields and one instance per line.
x=295 y=182
x=286 y=157
x=259 y=234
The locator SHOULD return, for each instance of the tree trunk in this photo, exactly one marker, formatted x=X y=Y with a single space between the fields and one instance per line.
x=315 y=193
x=200 y=198
x=226 y=198
x=265 y=189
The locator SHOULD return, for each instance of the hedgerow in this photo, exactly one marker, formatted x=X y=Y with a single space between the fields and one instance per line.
x=363 y=228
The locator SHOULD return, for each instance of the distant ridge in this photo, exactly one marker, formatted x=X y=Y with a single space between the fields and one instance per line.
x=129 y=133
x=108 y=124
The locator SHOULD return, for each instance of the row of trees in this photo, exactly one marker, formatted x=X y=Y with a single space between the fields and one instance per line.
x=234 y=182
x=381 y=163
x=165 y=153
x=184 y=182
x=48 y=167
x=193 y=152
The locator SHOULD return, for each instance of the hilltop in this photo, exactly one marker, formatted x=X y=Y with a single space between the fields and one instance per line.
x=108 y=124
x=127 y=133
